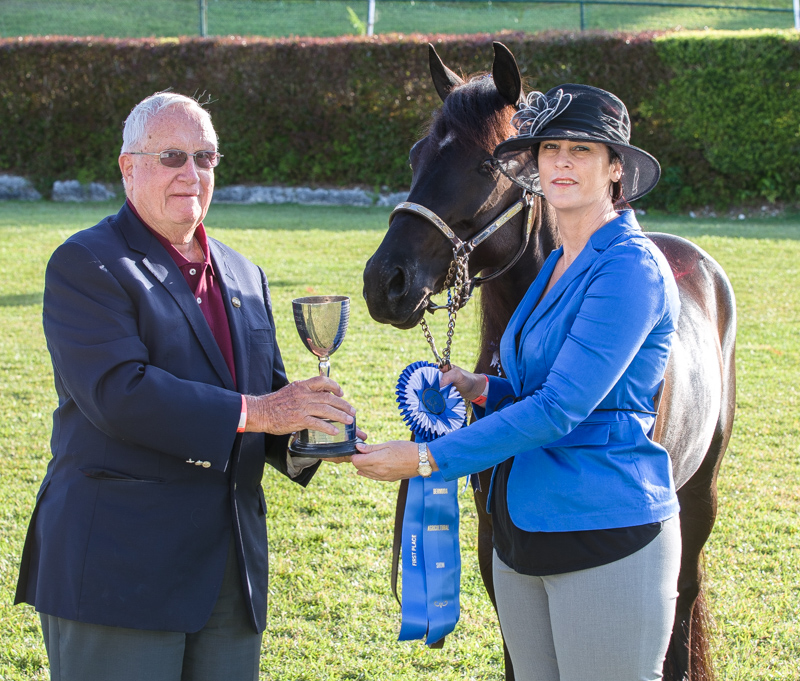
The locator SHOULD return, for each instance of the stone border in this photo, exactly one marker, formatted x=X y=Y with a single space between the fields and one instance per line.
x=305 y=196
x=17 y=189
x=72 y=191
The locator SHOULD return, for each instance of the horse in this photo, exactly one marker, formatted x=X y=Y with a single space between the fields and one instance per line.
x=456 y=188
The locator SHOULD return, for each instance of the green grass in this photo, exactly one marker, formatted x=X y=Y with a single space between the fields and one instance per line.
x=331 y=17
x=331 y=612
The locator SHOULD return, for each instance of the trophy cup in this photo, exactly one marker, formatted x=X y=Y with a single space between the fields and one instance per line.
x=321 y=322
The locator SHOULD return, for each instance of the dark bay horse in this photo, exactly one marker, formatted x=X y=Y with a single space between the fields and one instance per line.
x=455 y=177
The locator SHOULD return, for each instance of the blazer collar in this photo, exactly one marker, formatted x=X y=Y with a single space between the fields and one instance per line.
x=528 y=312
x=611 y=232
x=139 y=238
x=167 y=273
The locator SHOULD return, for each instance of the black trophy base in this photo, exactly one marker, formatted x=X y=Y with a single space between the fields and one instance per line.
x=327 y=450
x=319 y=445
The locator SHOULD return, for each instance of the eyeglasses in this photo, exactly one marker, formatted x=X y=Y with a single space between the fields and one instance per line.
x=175 y=158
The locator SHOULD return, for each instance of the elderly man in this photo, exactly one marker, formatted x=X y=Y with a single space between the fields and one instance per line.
x=146 y=556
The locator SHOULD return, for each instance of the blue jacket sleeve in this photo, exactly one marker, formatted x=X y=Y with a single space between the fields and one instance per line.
x=624 y=300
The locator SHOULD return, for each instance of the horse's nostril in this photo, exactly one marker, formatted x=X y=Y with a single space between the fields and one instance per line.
x=398 y=285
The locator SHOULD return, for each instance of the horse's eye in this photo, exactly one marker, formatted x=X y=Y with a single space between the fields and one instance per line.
x=488 y=166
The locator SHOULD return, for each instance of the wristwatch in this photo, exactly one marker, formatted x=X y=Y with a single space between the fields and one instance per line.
x=424 y=468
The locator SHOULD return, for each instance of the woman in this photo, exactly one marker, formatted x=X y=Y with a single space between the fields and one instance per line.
x=586 y=531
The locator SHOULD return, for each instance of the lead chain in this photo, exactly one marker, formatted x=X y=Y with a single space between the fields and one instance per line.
x=455 y=301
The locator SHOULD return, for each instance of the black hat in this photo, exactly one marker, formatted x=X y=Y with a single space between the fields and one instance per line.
x=582 y=113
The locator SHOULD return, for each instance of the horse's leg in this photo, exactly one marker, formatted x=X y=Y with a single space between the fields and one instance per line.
x=698 y=510
x=485 y=549
x=689 y=657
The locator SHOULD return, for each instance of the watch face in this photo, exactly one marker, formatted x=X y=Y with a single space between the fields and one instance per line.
x=425 y=470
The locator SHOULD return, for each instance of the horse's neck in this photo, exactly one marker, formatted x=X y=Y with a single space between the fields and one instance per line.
x=500 y=297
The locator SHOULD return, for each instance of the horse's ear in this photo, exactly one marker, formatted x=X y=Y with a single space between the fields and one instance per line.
x=444 y=79
x=505 y=72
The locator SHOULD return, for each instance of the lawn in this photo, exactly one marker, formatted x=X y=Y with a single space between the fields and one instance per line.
x=332 y=17
x=332 y=615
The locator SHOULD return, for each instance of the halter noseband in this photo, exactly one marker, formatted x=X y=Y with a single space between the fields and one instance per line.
x=458 y=272
x=463 y=249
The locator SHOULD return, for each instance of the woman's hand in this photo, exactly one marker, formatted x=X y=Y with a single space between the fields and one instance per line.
x=389 y=461
x=468 y=384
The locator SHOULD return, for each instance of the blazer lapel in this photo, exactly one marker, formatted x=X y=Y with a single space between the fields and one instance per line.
x=508 y=343
x=528 y=313
x=168 y=274
x=597 y=243
x=230 y=287
x=582 y=263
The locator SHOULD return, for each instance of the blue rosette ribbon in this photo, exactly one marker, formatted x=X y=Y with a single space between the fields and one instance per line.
x=429 y=410
x=431 y=557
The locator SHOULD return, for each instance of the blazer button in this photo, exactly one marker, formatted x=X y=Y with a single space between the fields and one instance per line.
x=198 y=463
x=206 y=464
x=236 y=302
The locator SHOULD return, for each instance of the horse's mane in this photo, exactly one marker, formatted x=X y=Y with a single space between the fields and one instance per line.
x=475 y=113
x=478 y=116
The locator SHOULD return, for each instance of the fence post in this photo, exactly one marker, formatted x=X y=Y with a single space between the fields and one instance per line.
x=371 y=16
x=796 y=6
x=583 y=18
x=203 y=19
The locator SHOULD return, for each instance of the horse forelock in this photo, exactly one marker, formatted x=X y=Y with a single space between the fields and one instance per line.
x=474 y=114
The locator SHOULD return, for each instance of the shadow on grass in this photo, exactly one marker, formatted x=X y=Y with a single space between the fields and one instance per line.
x=21 y=299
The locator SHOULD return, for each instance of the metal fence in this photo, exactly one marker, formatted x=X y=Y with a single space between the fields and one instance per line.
x=283 y=18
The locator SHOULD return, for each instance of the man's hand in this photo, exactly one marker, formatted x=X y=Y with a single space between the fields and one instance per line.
x=299 y=405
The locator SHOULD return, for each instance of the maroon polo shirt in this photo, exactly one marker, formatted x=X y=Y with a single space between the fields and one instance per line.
x=202 y=281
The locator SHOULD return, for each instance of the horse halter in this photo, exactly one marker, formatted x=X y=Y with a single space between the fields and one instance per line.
x=458 y=272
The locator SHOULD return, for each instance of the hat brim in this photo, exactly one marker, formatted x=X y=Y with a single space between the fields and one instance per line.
x=640 y=170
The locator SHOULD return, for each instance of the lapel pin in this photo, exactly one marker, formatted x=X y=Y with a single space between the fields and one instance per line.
x=236 y=302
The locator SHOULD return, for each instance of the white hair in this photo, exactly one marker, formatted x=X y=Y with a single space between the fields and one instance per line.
x=143 y=113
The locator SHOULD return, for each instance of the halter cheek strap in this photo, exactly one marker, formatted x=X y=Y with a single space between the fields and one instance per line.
x=458 y=272
x=463 y=249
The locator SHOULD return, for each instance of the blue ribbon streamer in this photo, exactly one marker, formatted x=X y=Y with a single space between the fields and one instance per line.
x=431 y=557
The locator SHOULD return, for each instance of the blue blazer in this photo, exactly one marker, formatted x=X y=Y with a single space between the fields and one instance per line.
x=583 y=367
x=149 y=481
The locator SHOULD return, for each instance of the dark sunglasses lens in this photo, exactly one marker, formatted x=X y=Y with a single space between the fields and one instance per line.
x=206 y=159
x=173 y=158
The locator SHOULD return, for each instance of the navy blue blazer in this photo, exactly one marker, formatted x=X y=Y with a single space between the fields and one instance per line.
x=148 y=479
x=583 y=365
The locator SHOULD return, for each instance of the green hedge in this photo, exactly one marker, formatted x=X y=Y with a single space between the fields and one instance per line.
x=721 y=110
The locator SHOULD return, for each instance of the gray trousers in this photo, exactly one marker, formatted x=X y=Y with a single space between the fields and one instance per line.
x=227 y=648
x=609 y=623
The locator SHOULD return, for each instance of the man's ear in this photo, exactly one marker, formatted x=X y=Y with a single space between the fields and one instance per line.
x=126 y=168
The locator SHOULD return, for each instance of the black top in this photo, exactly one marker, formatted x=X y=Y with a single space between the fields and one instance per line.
x=553 y=553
